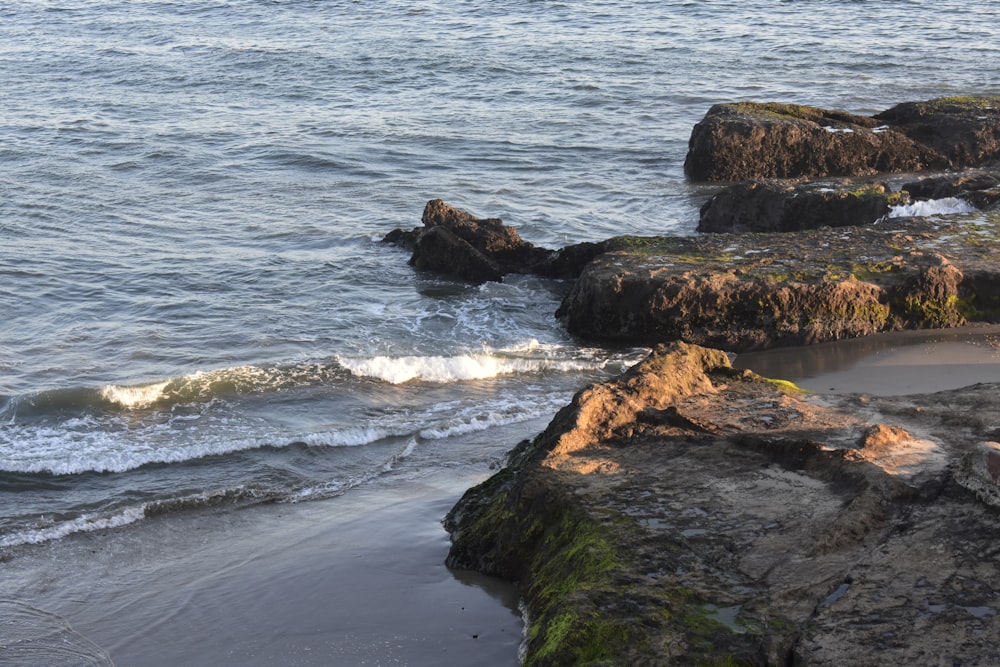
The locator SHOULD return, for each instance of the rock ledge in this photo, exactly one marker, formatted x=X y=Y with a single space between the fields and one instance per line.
x=688 y=513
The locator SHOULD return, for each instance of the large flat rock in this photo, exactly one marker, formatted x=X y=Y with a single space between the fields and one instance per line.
x=749 y=291
x=689 y=513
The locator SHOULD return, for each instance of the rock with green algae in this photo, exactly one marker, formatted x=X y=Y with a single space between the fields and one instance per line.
x=752 y=291
x=775 y=205
x=784 y=206
x=752 y=140
x=687 y=513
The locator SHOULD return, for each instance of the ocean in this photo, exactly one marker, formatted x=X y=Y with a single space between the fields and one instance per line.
x=198 y=312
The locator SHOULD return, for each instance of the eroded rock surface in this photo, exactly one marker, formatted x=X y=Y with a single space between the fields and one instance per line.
x=689 y=513
x=748 y=291
x=783 y=206
x=752 y=140
x=796 y=205
x=458 y=243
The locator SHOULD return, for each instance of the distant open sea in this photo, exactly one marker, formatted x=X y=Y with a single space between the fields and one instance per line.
x=196 y=308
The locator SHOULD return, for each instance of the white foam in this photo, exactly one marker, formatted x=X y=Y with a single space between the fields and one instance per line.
x=57 y=451
x=946 y=206
x=79 y=525
x=471 y=366
x=132 y=397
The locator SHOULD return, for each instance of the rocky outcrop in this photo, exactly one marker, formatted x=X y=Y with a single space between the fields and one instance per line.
x=750 y=291
x=457 y=243
x=981 y=188
x=687 y=513
x=783 y=206
x=965 y=130
x=751 y=140
x=794 y=205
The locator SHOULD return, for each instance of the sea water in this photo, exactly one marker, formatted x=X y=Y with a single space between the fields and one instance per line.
x=197 y=310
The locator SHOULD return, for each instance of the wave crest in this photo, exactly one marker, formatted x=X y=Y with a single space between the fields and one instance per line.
x=469 y=366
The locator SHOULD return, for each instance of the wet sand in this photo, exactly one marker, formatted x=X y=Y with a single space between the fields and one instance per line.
x=894 y=364
x=354 y=580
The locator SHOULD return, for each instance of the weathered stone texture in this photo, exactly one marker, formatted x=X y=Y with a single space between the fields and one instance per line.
x=752 y=140
x=688 y=513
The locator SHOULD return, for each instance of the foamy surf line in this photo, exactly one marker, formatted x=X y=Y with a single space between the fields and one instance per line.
x=463 y=367
x=62 y=450
x=922 y=209
x=128 y=515
x=31 y=452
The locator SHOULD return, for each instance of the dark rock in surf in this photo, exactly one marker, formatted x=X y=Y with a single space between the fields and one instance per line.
x=440 y=250
x=467 y=247
x=781 y=206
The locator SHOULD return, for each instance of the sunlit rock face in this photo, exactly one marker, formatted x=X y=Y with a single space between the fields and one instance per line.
x=752 y=140
x=689 y=513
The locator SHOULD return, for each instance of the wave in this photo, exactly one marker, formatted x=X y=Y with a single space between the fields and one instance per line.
x=76 y=446
x=39 y=534
x=470 y=366
x=64 y=451
x=134 y=396
x=80 y=524
x=201 y=386
x=920 y=209
x=119 y=428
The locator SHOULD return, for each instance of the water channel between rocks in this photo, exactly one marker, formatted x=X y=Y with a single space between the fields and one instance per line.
x=910 y=362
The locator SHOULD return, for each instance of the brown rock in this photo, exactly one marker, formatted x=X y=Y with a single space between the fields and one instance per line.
x=783 y=206
x=745 y=528
x=751 y=140
x=966 y=130
x=742 y=292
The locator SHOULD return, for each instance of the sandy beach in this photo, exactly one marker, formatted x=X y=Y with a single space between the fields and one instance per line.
x=353 y=580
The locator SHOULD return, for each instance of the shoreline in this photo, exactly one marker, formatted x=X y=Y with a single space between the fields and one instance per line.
x=356 y=579
x=360 y=577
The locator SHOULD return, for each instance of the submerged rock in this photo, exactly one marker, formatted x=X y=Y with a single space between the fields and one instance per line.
x=981 y=188
x=689 y=513
x=752 y=140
